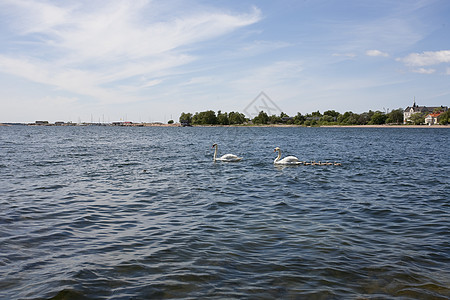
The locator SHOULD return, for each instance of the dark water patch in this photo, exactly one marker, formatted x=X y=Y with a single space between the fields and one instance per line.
x=72 y=294
x=50 y=188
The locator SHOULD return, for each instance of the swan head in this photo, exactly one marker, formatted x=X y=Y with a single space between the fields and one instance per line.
x=276 y=149
x=214 y=145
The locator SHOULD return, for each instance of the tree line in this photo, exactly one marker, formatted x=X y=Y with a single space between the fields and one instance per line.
x=329 y=117
x=209 y=117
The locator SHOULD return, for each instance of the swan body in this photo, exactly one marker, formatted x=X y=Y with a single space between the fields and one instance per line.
x=226 y=157
x=288 y=160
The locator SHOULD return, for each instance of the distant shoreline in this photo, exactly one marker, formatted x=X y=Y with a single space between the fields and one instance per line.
x=238 y=125
x=390 y=126
x=330 y=126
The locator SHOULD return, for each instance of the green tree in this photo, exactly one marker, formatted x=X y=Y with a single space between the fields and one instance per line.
x=274 y=119
x=395 y=116
x=261 y=118
x=417 y=119
x=326 y=119
x=299 y=119
x=185 y=117
x=331 y=113
x=444 y=118
x=378 y=118
x=316 y=114
x=205 y=118
x=236 y=118
x=222 y=118
x=348 y=118
x=170 y=122
x=196 y=118
x=353 y=119
x=342 y=119
x=364 y=118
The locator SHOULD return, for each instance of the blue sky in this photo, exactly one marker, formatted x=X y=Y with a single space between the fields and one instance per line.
x=151 y=60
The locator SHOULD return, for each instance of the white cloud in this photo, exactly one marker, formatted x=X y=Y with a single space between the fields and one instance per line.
x=376 y=53
x=32 y=16
x=426 y=58
x=88 y=50
x=152 y=83
x=72 y=80
x=113 y=33
x=424 y=71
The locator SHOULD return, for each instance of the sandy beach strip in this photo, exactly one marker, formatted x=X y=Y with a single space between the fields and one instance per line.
x=387 y=126
x=328 y=126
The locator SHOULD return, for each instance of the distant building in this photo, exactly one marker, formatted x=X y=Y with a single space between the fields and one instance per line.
x=286 y=119
x=41 y=123
x=59 y=123
x=432 y=119
x=127 y=123
x=410 y=110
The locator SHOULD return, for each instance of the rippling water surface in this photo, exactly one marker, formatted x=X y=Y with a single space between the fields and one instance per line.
x=144 y=213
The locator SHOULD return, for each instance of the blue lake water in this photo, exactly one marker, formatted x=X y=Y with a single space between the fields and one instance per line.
x=144 y=213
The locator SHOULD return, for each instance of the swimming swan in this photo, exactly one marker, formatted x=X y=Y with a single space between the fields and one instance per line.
x=288 y=160
x=226 y=157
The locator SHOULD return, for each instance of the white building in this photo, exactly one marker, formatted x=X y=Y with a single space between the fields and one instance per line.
x=432 y=119
x=410 y=110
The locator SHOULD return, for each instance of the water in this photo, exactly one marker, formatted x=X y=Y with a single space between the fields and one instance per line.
x=144 y=213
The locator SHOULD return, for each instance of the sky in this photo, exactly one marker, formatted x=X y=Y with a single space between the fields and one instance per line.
x=150 y=60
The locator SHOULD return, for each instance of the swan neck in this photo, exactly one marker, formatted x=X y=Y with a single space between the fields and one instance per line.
x=279 y=156
x=215 y=152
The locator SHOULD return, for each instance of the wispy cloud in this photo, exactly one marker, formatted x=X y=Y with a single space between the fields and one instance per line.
x=28 y=16
x=376 y=53
x=83 y=51
x=427 y=58
x=424 y=71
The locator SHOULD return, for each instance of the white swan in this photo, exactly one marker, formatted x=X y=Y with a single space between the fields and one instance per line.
x=226 y=157
x=288 y=160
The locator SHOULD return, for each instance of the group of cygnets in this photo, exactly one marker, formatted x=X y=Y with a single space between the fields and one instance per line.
x=288 y=160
